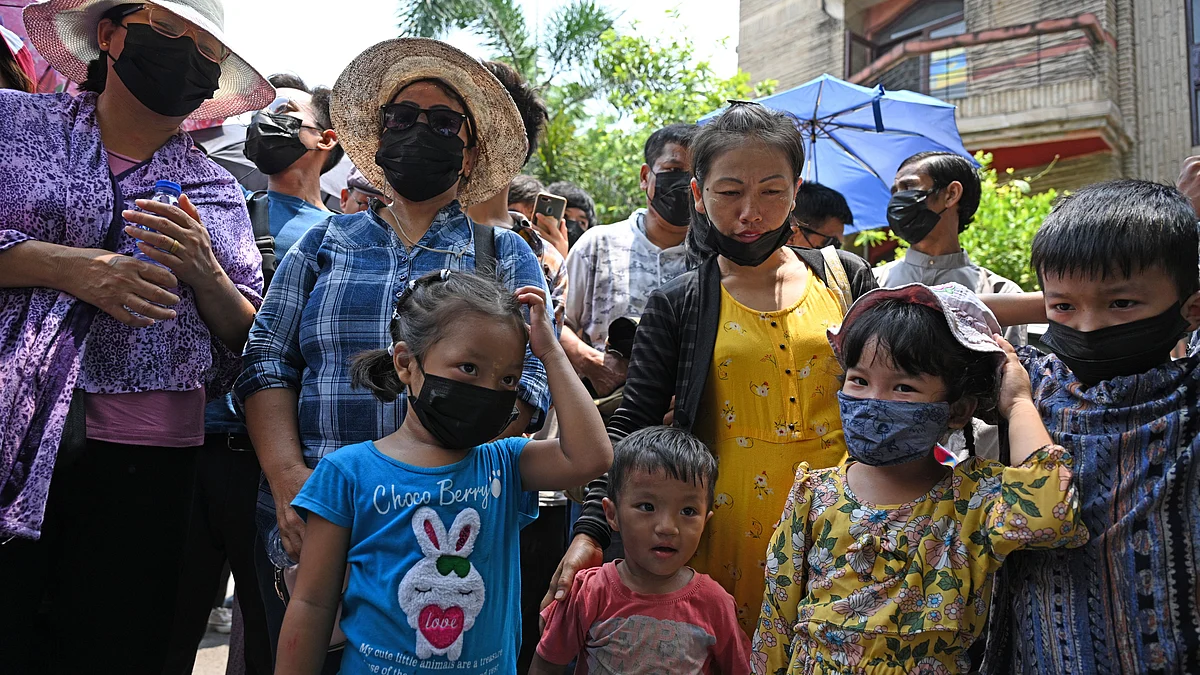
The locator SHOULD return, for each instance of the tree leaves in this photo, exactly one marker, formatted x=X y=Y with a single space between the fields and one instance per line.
x=606 y=91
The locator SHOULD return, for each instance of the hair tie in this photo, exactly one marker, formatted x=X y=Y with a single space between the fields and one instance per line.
x=391 y=350
x=445 y=275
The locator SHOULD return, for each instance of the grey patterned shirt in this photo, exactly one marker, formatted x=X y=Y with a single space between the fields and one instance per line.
x=611 y=272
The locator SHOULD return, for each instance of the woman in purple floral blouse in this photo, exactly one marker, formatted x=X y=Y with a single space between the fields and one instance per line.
x=118 y=318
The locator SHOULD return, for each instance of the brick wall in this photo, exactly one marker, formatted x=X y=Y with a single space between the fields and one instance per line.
x=1074 y=173
x=791 y=41
x=1137 y=95
x=1161 y=105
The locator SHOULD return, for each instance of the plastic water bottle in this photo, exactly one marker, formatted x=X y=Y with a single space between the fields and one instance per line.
x=166 y=192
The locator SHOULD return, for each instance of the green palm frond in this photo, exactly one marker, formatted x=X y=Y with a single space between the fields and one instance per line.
x=576 y=37
x=431 y=18
x=502 y=26
x=499 y=23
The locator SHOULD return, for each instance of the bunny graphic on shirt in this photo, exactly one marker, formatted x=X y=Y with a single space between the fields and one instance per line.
x=443 y=593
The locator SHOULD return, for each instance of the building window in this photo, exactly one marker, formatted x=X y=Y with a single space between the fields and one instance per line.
x=942 y=74
x=1193 y=30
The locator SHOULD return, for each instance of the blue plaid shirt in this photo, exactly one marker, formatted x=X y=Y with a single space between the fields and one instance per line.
x=333 y=296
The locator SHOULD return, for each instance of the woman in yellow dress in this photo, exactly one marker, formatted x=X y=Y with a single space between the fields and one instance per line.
x=739 y=345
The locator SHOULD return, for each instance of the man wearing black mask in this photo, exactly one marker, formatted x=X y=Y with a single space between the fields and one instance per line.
x=934 y=199
x=293 y=143
x=612 y=270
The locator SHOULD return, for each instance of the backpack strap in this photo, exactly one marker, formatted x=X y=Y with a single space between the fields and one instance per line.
x=836 y=272
x=260 y=220
x=485 y=250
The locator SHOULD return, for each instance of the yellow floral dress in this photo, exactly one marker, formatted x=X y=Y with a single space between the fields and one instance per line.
x=772 y=392
x=853 y=587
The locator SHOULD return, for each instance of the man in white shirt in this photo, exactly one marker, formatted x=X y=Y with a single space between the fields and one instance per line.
x=613 y=269
x=934 y=199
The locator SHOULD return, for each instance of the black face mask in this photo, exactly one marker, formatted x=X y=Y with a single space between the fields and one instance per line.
x=672 y=196
x=752 y=254
x=908 y=216
x=419 y=163
x=461 y=415
x=167 y=75
x=575 y=230
x=273 y=142
x=1116 y=351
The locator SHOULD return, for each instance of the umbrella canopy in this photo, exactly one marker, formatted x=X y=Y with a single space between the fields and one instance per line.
x=856 y=137
x=223 y=145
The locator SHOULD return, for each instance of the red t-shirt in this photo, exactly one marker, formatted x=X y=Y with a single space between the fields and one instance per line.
x=613 y=630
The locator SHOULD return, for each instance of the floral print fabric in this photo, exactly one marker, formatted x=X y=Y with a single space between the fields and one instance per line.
x=852 y=587
x=771 y=403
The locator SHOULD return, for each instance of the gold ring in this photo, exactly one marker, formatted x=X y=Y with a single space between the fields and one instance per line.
x=174 y=246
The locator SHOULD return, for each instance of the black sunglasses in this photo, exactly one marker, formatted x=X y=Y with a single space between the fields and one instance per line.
x=401 y=116
x=810 y=233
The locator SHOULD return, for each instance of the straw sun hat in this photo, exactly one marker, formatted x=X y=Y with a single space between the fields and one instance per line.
x=64 y=33
x=375 y=76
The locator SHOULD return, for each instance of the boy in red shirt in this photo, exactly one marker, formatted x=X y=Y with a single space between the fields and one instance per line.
x=650 y=613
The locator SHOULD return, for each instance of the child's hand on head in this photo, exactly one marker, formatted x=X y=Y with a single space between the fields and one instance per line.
x=1014 y=383
x=542 y=339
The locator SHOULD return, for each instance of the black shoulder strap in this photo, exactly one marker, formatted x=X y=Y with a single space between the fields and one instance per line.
x=815 y=261
x=485 y=250
x=260 y=219
x=260 y=213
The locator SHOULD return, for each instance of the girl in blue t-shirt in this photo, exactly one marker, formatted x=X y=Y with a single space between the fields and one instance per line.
x=427 y=519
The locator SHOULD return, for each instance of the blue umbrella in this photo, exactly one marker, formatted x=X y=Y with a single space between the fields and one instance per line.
x=855 y=138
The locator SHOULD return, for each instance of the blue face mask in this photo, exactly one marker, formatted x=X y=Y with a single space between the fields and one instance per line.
x=886 y=433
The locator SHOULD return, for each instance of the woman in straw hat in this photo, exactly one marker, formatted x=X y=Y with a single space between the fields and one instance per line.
x=437 y=132
x=163 y=329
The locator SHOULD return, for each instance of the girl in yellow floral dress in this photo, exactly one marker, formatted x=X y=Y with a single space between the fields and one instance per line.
x=885 y=565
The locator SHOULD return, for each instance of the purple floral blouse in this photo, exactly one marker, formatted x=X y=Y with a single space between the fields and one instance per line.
x=55 y=186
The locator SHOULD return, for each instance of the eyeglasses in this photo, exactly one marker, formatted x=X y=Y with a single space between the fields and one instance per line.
x=401 y=116
x=166 y=23
x=825 y=239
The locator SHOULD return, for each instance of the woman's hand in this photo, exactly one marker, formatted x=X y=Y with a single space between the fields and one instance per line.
x=117 y=284
x=554 y=231
x=178 y=240
x=1015 y=387
x=542 y=340
x=584 y=553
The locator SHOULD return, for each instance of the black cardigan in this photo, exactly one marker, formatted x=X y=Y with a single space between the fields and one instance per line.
x=672 y=354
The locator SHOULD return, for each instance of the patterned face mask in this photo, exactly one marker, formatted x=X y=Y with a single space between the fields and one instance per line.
x=886 y=433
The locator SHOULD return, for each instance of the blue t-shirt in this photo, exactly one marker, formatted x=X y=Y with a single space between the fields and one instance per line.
x=290 y=217
x=434 y=558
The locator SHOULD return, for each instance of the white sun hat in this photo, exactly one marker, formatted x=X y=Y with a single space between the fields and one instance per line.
x=64 y=33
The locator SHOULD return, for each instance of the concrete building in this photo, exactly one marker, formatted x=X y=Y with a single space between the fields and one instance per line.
x=1110 y=87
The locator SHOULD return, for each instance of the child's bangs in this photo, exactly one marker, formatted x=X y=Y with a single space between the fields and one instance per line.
x=1120 y=229
x=913 y=338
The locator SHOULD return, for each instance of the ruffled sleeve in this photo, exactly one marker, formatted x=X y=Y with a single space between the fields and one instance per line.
x=1037 y=506
x=787 y=582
